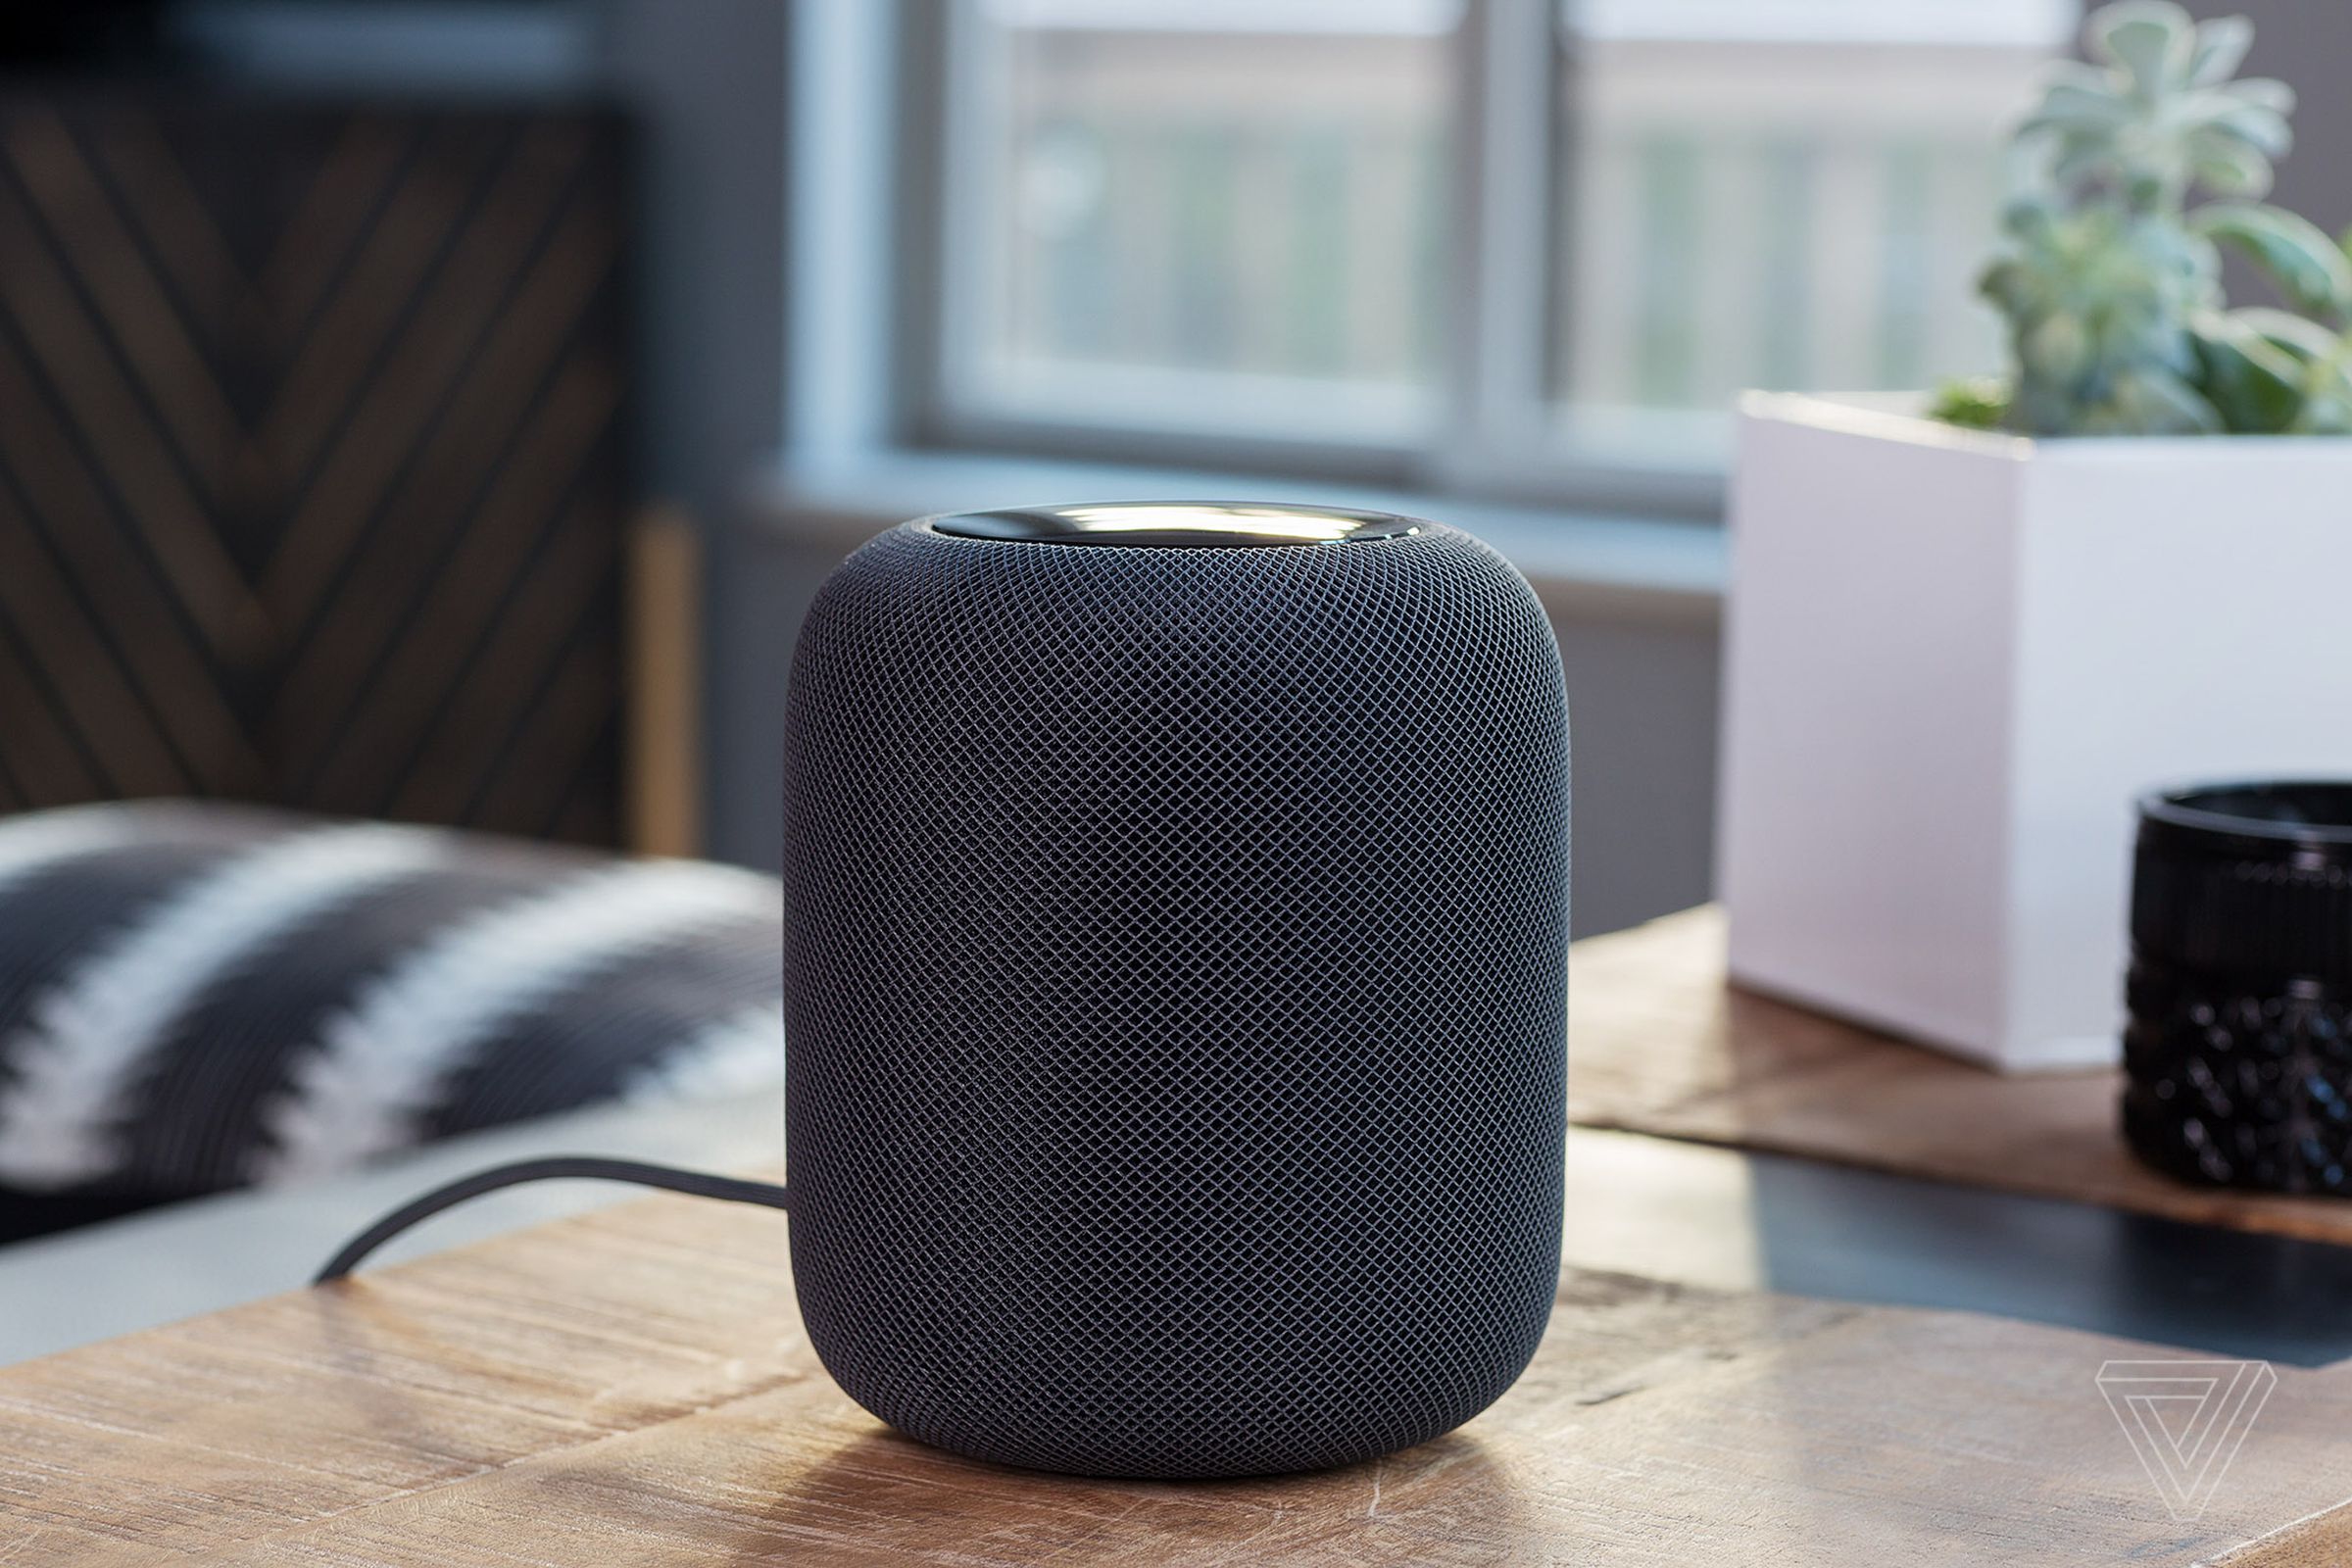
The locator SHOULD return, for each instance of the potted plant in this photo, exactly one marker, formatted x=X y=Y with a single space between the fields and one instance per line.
x=1964 y=636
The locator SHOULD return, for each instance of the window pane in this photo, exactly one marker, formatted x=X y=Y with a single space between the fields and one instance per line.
x=1789 y=194
x=1194 y=212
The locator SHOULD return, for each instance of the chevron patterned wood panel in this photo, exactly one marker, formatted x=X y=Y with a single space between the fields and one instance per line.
x=313 y=484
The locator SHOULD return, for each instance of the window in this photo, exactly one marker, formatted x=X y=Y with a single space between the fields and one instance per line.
x=1792 y=194
x=1513 y=245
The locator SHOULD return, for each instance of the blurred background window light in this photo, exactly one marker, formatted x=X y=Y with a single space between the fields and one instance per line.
x=1245 y=221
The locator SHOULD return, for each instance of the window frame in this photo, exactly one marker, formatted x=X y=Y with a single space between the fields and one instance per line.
x=1494 y=432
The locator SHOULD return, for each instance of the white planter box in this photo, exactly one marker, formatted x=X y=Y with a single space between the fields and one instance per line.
x=1953 y=660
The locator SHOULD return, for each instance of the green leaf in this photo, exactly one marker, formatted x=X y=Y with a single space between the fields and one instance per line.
x=2152 y=402
x=2328 y=390
x=2221 y=48
x=2082 y=77
x=2261 y=126
x=2082 y=158
x=2058 y=346
x=2152 y=39
x=2327 y=413
x=1973 y=402
x=2298 y=335
x=2067 y=107
x=2253 y=384
x=2262 y=92
x=2075 y=95
x=2306 y=265
x=2229 y=168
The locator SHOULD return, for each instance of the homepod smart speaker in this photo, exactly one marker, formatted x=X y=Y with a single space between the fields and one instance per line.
x=1175 y=937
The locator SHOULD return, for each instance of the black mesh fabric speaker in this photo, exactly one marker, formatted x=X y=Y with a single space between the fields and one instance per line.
x=1176 y=925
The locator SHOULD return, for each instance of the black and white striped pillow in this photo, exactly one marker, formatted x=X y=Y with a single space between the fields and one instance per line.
x=196 y=997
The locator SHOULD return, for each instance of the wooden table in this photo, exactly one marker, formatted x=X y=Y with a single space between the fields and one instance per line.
x=633 y=1387
x=1659 y=1043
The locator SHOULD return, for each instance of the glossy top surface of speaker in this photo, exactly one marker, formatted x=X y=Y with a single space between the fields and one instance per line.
x=1178 y=524
x=1175 y=950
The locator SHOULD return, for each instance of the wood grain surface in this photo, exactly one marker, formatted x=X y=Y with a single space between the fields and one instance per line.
x=1659 y=1044
x=633 y=1388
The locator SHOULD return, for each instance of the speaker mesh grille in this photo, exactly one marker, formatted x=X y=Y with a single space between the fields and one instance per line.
x=1175 y=987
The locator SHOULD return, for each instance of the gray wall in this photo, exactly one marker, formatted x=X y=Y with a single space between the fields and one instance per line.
x=705 y=81
x=1643 y=695
x=755 y=609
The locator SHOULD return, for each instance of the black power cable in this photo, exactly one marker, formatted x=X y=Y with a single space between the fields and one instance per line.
x=558 y=1167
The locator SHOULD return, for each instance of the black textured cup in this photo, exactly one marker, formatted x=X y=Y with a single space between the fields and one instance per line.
x=2240 y=1047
